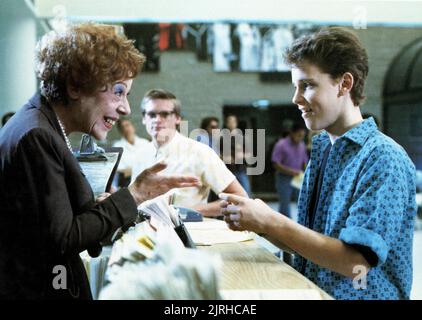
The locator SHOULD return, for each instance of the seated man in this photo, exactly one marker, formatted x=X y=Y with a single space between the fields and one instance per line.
x=161 y=116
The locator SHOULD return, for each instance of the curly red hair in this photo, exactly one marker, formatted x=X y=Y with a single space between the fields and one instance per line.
x=86 y=56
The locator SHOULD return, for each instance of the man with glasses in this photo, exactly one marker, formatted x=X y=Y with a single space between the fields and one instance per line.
x=161 y=116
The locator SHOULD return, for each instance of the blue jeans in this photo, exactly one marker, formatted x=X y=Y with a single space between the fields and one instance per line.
x=243 y=179
x=285 y=191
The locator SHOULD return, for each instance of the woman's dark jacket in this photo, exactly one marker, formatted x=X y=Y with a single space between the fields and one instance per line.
x=47 y=210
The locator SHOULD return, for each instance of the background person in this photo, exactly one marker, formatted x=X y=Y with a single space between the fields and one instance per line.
x=209 y=124
x=289 y=158
x=235 y=161
x=133 y=149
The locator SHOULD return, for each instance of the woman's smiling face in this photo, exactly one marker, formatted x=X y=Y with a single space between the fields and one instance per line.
x=100 y=111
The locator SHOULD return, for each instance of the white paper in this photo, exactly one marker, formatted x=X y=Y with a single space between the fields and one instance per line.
x=98 y=172
x=213 y=231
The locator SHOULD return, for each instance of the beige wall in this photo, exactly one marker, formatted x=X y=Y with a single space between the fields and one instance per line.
x=17 y=43
x=383 y=45
x=203 y=91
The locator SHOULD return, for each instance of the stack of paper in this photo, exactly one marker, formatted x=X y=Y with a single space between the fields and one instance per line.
x=96 y=269
x=160 y=212
x=150 y=261
x=136 y=244
x=173 y=272
x=213 y=231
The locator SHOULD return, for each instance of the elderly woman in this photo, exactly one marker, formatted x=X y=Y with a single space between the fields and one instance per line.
x=48 y=212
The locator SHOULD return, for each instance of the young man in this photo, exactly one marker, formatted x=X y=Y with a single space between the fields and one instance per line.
x=357 y=204
x=161 y=117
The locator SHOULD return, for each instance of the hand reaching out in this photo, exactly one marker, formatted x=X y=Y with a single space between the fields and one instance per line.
x=245 y=214
x=150 y=184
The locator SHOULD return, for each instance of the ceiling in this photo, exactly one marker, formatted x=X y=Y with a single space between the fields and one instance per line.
x=344 y=12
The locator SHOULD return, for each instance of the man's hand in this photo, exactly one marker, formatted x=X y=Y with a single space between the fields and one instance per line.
x=149 y=184
x=286 y=170
x=242 y=213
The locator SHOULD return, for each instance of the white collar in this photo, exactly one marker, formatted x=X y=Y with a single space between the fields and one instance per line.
x=167 y=146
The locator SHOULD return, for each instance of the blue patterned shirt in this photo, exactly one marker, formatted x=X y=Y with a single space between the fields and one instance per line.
x=367 y=198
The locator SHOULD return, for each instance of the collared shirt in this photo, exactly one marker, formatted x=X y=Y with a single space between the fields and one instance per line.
x=290 y=154
x=132 y=153
x=189 y=157
x=367 y=198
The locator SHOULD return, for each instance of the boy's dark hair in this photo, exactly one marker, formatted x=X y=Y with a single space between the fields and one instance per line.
x=335 y=51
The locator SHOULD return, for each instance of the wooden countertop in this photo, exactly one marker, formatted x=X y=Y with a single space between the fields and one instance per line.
x=250 y=270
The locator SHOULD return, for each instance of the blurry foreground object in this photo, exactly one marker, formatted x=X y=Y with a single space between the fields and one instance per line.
x=6 y=118
x=148 y=264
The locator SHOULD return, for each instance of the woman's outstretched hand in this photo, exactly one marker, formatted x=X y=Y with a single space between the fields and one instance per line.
x=150 y=184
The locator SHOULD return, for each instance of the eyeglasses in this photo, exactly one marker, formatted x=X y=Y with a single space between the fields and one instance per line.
x=162 y=114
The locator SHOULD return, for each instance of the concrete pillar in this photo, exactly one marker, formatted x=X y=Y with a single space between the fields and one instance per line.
x=17 y=42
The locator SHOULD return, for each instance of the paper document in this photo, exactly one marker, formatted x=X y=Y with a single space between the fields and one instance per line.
x=99 y=173
x=297 y=181
x=213 y=231
x=159 y=209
